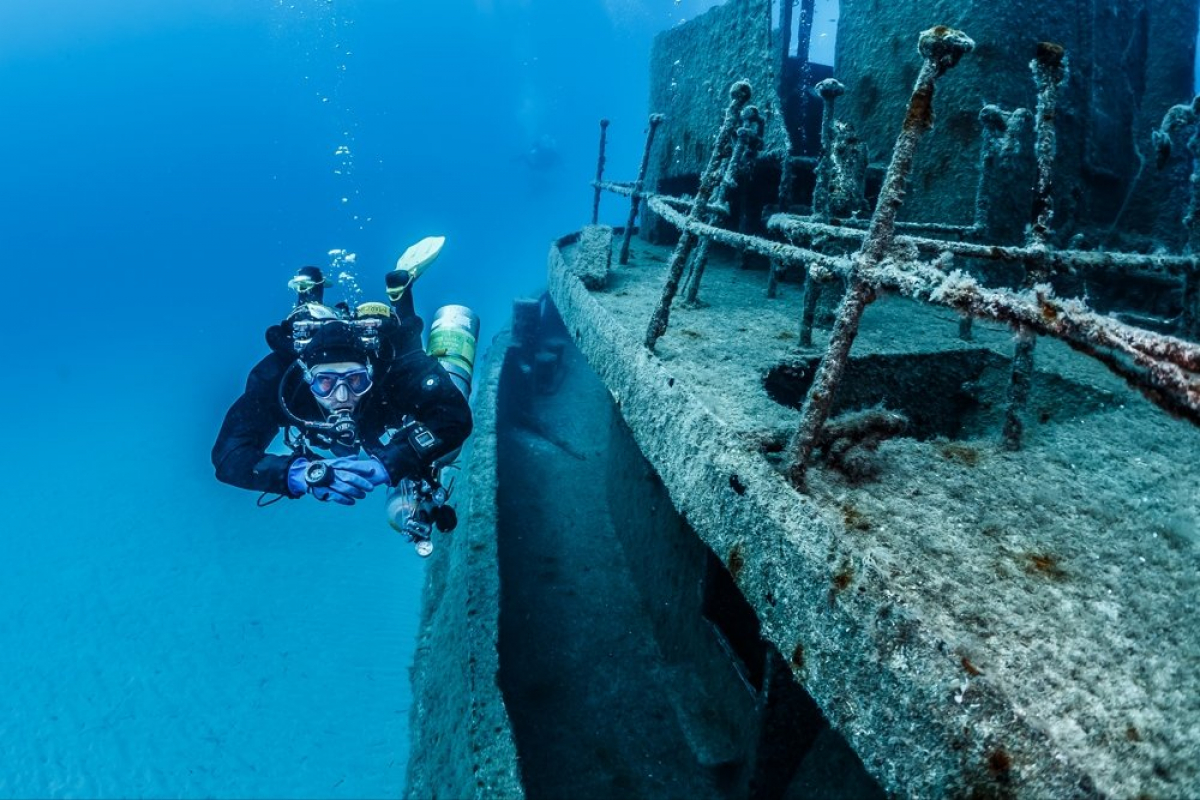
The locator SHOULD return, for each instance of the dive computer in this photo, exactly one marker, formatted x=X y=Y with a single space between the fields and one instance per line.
x=318 y=473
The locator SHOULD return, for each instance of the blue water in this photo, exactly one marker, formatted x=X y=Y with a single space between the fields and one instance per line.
x=166 y=168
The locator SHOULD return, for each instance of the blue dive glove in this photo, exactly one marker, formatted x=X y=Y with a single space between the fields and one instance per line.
x=344 y=487
x=370 y=468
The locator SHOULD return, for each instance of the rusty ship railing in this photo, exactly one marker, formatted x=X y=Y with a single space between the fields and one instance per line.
x=1165 y=368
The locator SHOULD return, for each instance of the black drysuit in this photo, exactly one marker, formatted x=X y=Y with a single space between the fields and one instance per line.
x=410 y=383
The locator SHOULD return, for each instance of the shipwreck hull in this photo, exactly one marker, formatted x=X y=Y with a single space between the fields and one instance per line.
x=578 y=638
x=881 y=676
x=962 y=620
x=462 y=743
x=970 y=620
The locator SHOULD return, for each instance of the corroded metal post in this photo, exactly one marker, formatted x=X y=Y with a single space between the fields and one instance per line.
x=635 y=200
x=1000 y=129
x=941 y=48
x=749 y=140
x=808 y=313
x=739 y=95
x=599 y=171
x=1049 y=67
x=1183 y=117
x=829 y=90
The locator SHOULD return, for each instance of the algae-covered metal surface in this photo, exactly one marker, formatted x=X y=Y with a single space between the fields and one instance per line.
x=970 y=619
x=1128 y=62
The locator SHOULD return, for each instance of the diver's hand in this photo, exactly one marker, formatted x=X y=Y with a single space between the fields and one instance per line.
x=327 y=494
x=370 y=468
x=347 y=486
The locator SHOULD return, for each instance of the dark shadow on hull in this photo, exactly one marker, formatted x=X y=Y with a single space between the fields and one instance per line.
x=630 y=664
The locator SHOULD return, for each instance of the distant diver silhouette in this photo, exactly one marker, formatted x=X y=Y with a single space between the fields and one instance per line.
x=543 y=155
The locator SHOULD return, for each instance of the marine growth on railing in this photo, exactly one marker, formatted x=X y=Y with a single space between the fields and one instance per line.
x=1166 y=369
x=710 y=180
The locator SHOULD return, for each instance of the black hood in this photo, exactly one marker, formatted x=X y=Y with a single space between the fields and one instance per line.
x=333 y=342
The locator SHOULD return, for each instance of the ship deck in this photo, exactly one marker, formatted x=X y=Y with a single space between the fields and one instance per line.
x=969 y=619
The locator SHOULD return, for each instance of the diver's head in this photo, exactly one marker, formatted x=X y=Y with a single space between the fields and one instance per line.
x=337 y=367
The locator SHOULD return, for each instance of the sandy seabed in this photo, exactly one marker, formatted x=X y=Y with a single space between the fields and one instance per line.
x=160 y=636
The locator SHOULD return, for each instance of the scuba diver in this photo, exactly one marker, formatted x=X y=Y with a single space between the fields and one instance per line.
x=360 y=402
